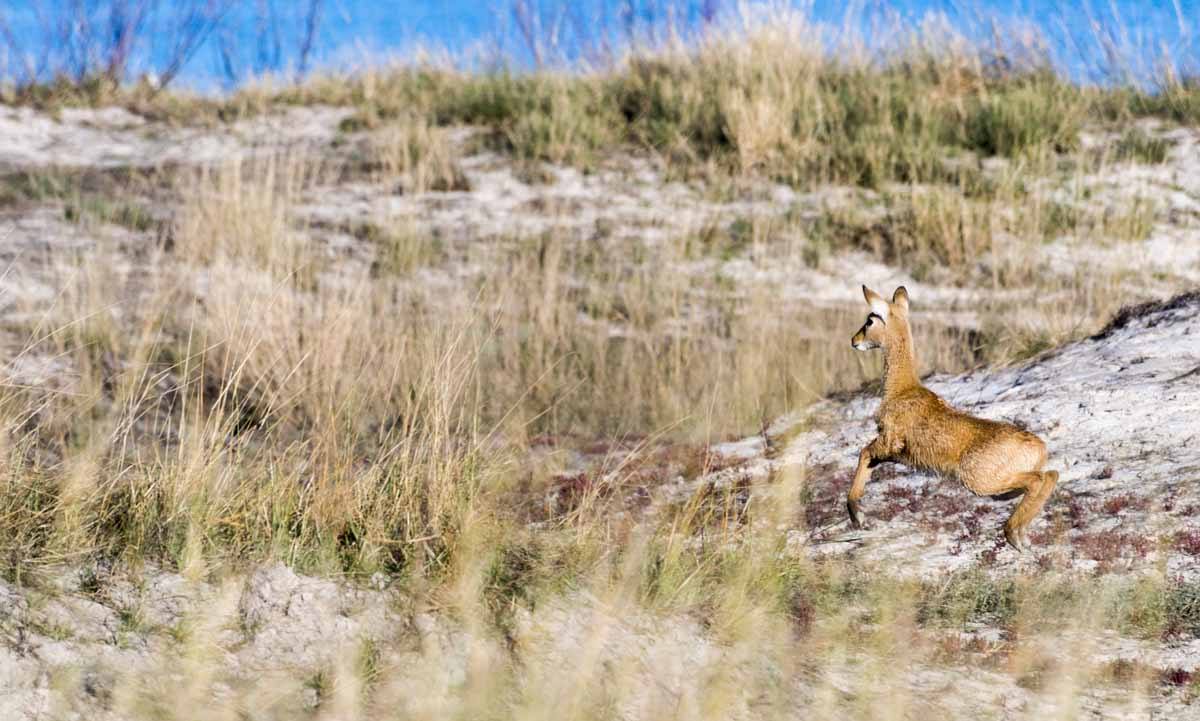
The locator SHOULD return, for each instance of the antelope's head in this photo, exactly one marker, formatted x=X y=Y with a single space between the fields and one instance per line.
x=885 y=321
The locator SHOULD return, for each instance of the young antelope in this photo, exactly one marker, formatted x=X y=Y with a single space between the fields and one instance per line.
x=920 y=430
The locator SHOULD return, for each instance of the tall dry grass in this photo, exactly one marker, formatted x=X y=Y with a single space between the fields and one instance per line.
x=776 y=95
x=298 y=405
x=272 y=403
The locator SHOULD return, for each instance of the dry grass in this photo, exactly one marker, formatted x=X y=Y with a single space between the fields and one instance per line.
x=294 y=404
x=274 y=405
x=412 y=150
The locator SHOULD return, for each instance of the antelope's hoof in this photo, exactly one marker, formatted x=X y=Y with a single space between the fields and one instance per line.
x=857 y=519
x=1016 y=539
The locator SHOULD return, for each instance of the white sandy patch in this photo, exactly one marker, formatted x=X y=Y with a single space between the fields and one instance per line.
x=111 y=137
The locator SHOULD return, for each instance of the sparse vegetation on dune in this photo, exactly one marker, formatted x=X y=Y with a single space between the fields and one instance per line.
x=766 y=98
x=328 y=357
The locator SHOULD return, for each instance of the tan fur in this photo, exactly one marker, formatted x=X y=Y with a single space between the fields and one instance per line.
x=920 y=430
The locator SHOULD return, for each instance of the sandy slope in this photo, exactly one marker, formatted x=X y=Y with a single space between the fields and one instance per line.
x=1119 y=412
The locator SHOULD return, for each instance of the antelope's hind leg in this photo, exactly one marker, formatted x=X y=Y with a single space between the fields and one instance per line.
x=1008 y=467
x=1035 y=498
x=1026 y=484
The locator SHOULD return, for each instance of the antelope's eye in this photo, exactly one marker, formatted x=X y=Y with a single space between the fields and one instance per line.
x=870 y=320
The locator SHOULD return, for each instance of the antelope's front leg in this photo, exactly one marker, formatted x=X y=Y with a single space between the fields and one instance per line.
x=866 y=459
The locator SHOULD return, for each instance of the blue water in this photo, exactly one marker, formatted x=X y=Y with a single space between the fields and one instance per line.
x=1092 y=42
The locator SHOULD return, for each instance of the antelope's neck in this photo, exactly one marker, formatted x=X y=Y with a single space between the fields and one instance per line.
x=900 y=366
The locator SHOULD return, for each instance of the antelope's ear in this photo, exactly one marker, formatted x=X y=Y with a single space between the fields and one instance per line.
x=900 y=298
x=879 y=305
